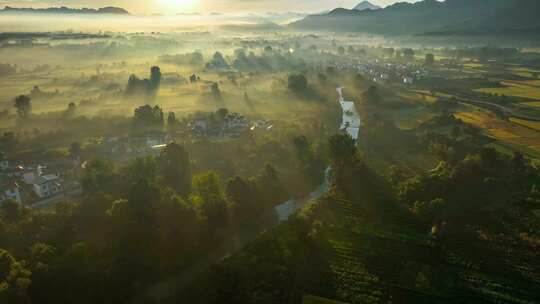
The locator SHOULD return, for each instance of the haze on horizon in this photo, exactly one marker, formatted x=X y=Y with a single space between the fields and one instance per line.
x=187 y=6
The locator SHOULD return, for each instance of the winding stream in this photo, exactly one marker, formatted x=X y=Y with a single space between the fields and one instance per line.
x=351 y=124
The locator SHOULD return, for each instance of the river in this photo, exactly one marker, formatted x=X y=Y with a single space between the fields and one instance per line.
x=351 y=124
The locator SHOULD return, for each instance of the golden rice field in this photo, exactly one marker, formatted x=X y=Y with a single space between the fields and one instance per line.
x=525 y=72
x=418 y=96
x=525 y=89
x=527 y=123
x=524 y=137
x=532 y=104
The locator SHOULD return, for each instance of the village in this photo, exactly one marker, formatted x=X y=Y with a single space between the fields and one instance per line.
x=43 y=184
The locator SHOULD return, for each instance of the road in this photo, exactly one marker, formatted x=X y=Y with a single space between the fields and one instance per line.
x=166 y=287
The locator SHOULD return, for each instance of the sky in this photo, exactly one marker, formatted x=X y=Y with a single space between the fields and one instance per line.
x=186 y=6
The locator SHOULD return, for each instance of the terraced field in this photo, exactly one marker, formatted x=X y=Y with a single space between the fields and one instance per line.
x=522 y=137
x=376 y=263
x=517 y=89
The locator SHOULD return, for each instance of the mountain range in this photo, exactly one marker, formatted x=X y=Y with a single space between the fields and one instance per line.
x=460 y=17
x=67 y=10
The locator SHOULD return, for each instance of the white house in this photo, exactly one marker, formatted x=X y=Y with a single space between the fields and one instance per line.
x=48 y=185
x=408 y=80
x=10 y=191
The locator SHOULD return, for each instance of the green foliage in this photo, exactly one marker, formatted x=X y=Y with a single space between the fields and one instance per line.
x=23 y=105
x=99 y=176
x=75 y=150
x=430 y=59
x=11 y=211
x=298 y=84
x=217 y=62
x=408 y=54
x=209 y=196
x=372 y=94
x=148 y=117
x=175 y=166
x=243 y=198
x=342 y=151
x=14 y=279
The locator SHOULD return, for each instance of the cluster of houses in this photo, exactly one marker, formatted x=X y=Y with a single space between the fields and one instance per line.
x=19 y=183
x=226 y=125
x=132 y=146
x=379 y=71
x=382 y=71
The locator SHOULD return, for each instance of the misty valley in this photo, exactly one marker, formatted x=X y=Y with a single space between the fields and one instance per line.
x=387 y=153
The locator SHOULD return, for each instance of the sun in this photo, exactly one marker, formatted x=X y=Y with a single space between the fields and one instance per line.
x=177 y=4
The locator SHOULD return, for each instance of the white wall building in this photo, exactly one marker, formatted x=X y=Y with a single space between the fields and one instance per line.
x=48 y=185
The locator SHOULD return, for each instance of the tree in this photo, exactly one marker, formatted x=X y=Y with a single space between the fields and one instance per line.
x=456 y=132
x=240 y=193
x=148 y=116
x=408 y=54
x=71 y=109
x=14 y=280
x=75 y=150
x=99 y=176
x=155 y=81
x=429 y=211
x=430 y=59
x=143 y=198
x=341 y=51
x=23 y=105
x=207 y=193
x=389 y=52
x=298 y=84
x=221 y=114
x=141 y=167
x=372 y=94
x=269 y=187
x=175 y=167
x=217 y=62
x=171 y=121
x=11 y=211
x=303 y=150
x=519 y=163
x=8 y=141
x=342 y=153
x=215 y=91
x=395 y=175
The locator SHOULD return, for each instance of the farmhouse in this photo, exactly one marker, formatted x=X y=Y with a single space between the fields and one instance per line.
x=48 y=185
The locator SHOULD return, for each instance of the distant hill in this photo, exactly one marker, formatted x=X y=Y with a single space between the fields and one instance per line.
x=456 y=17
x=67 y=10
x=366 y=5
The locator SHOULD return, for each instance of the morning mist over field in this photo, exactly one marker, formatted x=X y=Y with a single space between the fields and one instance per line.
x=248 y=152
